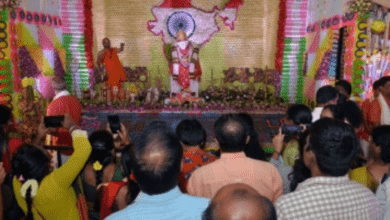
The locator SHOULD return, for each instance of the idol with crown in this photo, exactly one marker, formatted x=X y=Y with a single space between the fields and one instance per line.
x=185 y=68
x=185 y=29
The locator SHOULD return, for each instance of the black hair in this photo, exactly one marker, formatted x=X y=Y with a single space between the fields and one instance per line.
x=208 y=214
x=191 y=133
x=157 y=174
x=31 y=163
x=335 y=146
x=253 y=149
x=300 y=172
x=299 y=114
x=377 y=84
x=337 y=112
x=127 y=168
x=326 y=94
x=102 y=144
x=346 y=85
x=381 y=137
x=352 y=113
x=230 y=133
x=6 y=115
x=384 y=80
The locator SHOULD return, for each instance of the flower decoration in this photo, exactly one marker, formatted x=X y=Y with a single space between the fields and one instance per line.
x=29 y=183
x=28 y=68
x=28 y=81
x=97 y=166
x=378 y=26
x=361 y=7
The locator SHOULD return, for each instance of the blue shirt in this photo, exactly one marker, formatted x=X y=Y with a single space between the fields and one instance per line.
x=170 y=205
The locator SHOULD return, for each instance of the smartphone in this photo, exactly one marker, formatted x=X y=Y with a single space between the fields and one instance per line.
x=54 y=121
x=115 y=124
x=291 y=129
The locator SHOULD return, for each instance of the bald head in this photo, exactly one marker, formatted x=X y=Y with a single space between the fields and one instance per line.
x=106 y=43
x=58 y=83
x=239 y=202
x=156 y=159
x=231 y=133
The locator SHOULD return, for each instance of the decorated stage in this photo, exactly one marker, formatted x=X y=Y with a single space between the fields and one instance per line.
x=266 y=122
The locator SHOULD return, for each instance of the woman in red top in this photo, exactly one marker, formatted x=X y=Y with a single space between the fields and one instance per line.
x=8 y=145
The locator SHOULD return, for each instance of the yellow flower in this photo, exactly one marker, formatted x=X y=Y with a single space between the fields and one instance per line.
x=379 y=26
x=25 y=82
x=97 y=166
x=31 y=81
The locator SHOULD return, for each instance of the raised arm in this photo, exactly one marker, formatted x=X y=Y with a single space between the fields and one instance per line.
x=66 y=174
x=121 y=48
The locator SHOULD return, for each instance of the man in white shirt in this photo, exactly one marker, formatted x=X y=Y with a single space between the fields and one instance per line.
x=326 y=95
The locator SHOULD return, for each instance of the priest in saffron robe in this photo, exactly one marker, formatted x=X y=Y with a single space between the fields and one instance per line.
x=185 y=70
x=108 y=57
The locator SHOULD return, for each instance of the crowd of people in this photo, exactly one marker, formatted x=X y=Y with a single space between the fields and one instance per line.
x=336 y=166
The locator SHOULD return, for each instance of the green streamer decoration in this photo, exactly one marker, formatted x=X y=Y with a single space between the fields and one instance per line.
x=301 y=79
x=284 y=92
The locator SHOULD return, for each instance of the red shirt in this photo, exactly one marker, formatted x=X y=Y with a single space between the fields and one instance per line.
x=13 y=145
x=192 y=160
x=60 y=106
x=374 y=115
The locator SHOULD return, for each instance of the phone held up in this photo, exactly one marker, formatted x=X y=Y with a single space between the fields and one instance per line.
x=115 y=124
x=292 y=129
x=53 y=121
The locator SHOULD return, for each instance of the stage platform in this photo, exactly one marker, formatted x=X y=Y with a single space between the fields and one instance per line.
x=266 y=123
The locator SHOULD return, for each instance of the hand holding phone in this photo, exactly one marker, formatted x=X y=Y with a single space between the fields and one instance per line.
x=292 y=129
x=115 y=124
x=54 y=121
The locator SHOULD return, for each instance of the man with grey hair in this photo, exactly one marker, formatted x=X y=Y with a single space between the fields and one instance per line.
x=64 y=103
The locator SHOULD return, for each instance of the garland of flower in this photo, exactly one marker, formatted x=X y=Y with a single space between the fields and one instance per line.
x=280 y=35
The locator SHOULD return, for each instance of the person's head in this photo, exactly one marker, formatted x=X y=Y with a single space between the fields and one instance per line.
x=352 y=113
x=30 y=163
x=106 y=43
x=253 y=149
x=344 y=87
x=300 y=171
x=231 y=133
x=239 y=201
x=102 y=144
x=298 y=114
x=326 y=95
x=380 y=145
x=58 y=84
x=5 y=120
x=181 y=35
x=332 y=111
x=375 y=88
x=156 y=159
x=191 y=133
x=126 y=162
x=333 y=146
x=385 y=86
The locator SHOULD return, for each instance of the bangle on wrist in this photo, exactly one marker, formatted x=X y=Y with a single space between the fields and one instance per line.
x=73 y=128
